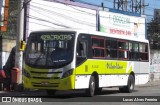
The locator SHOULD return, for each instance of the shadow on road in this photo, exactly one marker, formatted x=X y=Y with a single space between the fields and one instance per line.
x=75 y=94
x=59 y=94
x=80 y=93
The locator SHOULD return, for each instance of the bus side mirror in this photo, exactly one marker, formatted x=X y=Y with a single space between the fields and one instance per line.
x=22 y=45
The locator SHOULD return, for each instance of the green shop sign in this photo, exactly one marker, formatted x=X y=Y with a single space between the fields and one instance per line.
x=120 y=20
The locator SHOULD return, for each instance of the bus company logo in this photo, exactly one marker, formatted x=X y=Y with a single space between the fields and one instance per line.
x=19 y=99
x=120 y=20
x=6 y=99
x=114 y=66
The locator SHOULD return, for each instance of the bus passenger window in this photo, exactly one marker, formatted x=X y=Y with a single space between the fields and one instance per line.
x=122 y=49
x=133 y=51
x=143 y=51
x=111 y=48
x=98 y=47
x=108 y=53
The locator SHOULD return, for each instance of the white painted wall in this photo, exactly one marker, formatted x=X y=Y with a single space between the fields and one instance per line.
x=3 y=58
x=155 y=65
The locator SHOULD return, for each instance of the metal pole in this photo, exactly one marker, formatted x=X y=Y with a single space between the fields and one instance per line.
x=20 y=31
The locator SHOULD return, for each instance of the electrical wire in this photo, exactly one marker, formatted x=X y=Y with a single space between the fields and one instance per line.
x=79 y=11
x=39 y=19
x=53 y=12
x=77 y=20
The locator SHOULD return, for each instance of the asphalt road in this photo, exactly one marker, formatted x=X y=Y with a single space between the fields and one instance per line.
x=146 y=94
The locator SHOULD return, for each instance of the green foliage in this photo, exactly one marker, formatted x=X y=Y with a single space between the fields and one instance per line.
x=153 y=33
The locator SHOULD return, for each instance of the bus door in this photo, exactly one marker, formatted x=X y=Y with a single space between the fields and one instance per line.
x=81 y=54
x=81 y=73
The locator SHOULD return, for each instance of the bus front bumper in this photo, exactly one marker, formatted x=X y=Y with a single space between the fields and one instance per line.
x=56 y=84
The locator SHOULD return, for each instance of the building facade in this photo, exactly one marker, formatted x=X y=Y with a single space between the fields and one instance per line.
x=8 y=37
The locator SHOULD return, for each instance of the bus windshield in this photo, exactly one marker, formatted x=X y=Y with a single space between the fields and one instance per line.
x=49 y=49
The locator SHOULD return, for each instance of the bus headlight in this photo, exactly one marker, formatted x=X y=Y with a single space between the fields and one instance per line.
x=67 y=73
x=26 y=73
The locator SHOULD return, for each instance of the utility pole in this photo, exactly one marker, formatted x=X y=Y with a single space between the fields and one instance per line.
x=136 y=6
x=121 y=5
x=20 y=31
x=143 y=6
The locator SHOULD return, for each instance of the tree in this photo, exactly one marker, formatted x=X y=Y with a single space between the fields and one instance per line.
x=154 y=34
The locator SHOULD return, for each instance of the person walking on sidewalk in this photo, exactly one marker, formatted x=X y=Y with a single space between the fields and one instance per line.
x=8 y=67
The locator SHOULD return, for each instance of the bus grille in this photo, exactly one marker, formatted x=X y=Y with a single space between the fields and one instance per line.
x=37 y=75
x=45 y=84
x=46 y=77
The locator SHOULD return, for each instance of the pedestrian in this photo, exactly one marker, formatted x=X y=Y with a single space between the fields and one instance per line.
x=2 y=77
x=7 y=68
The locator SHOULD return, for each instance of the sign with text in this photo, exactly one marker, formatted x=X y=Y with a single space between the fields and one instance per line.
x=3 y=14
x=64 y=98
x=120 y=24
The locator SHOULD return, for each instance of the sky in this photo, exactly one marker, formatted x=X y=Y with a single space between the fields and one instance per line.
x=149 y=10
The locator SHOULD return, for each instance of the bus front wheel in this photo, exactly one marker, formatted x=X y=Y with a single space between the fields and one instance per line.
x=91 y=90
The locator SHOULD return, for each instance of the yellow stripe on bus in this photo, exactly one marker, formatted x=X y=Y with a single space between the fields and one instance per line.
x=104 y=67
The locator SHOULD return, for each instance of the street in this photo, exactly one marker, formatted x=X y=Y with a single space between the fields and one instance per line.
x=79 y=44
x=147 y=91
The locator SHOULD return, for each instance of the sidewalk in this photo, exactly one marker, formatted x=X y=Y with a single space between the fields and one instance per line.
x=150 y=83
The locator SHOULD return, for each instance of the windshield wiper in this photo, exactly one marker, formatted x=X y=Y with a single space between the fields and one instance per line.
x=35 y=62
